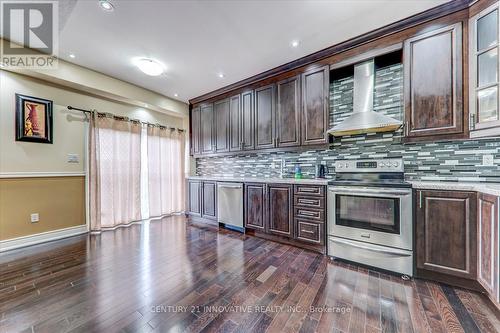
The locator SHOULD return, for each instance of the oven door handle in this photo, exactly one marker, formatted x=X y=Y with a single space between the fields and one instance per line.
x=367 y=191
x=369 y=248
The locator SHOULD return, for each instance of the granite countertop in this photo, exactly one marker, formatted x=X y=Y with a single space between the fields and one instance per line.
x=263 y=180
x=487 y=188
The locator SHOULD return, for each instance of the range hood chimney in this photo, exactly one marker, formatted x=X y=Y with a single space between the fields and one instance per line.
x=364 y=119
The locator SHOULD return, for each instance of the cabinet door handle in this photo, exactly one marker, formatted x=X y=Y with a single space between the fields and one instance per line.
x=420 y=199
x=308 y=202
x=472 y=121
x=303 y=212
x=407 y=128
x=305 y=189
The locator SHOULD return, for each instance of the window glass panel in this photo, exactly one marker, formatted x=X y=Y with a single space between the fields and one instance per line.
x=487 y=104
x=487 y=68
x=487 y=30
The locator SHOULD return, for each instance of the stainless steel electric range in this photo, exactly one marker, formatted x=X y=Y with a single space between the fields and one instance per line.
x=370 y=214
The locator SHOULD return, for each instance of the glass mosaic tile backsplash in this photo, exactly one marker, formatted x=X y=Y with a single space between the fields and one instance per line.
x=447 y=161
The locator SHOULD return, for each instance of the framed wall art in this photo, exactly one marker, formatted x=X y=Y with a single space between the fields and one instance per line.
x=33 y=119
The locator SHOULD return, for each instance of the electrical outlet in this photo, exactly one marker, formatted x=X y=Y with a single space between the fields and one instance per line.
x=488 y=160
x=35 y=218
x=73 y=158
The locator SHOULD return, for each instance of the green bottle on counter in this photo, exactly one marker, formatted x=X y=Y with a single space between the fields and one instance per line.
x=298 y=172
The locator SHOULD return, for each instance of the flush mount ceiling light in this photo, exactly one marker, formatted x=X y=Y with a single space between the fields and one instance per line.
x=221 y=75
x=72 y=55
x=176 y=95
x=106 y=5
x=149 y=66
x=295 y=43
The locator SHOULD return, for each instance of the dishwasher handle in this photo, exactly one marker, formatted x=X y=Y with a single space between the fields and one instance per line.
x=230 y=186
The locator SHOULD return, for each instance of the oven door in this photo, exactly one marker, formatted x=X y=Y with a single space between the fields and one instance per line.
x=380 y=216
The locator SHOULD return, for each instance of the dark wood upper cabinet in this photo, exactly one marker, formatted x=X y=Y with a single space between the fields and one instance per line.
x=446 y=233
x=195 y=131
x=315 y=106
x=247 y=120
x=234 y=123
x=194 y=197
x=288 y=112
x=433 y=84
x=209 y=197
x=488 y=249
x=221 y=129
x=255 y=206
x=280 y=200
x=264 y=117
x=207 y=128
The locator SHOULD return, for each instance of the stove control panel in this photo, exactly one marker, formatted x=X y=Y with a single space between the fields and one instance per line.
x=375 y=165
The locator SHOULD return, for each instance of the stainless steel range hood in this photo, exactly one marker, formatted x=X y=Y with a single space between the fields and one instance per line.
x=364 y=119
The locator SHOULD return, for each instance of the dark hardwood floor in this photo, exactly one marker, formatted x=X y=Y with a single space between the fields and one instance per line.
x=169 y=276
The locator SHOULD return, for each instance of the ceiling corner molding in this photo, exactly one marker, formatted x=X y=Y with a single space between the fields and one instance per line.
x=423 y=17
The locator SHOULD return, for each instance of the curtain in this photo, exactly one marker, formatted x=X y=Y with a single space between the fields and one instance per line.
x=115 y=172
x=166 y=183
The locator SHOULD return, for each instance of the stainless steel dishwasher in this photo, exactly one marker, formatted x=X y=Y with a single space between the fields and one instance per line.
x=230 y=205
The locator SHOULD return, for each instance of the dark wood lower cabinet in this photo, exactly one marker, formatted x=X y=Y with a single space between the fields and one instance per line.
x=209 y=195
x=280 y=199
x=194 y=197
x=255 y=204
x=488 y=247
x=202 y=199
x=446 y=243
x=270 y=212
x=310 y=232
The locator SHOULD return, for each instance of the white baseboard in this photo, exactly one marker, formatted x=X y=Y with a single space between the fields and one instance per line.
x=14 y=243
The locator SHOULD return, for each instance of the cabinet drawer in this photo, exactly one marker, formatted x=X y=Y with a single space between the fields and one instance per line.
x=310 y=232
x=317 y=215
x=318 y=190
x=309 y=202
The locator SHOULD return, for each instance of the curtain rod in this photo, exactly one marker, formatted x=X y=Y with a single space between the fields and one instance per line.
x=123 y=118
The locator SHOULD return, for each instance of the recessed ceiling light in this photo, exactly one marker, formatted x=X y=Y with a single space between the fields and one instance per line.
x=176 y=95
x=149 y=66
x=72 y=56
x=106 y=5
x=221 y=75
x=294 y=43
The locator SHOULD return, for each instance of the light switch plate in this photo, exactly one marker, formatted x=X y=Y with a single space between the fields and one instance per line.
x=488 y=160
x=35 y=218
x=73 y=158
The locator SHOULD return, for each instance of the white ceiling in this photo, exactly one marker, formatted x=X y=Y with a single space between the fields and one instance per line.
x=198 y=39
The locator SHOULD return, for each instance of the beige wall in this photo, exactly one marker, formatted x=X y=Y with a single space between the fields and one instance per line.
x=58 y=200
